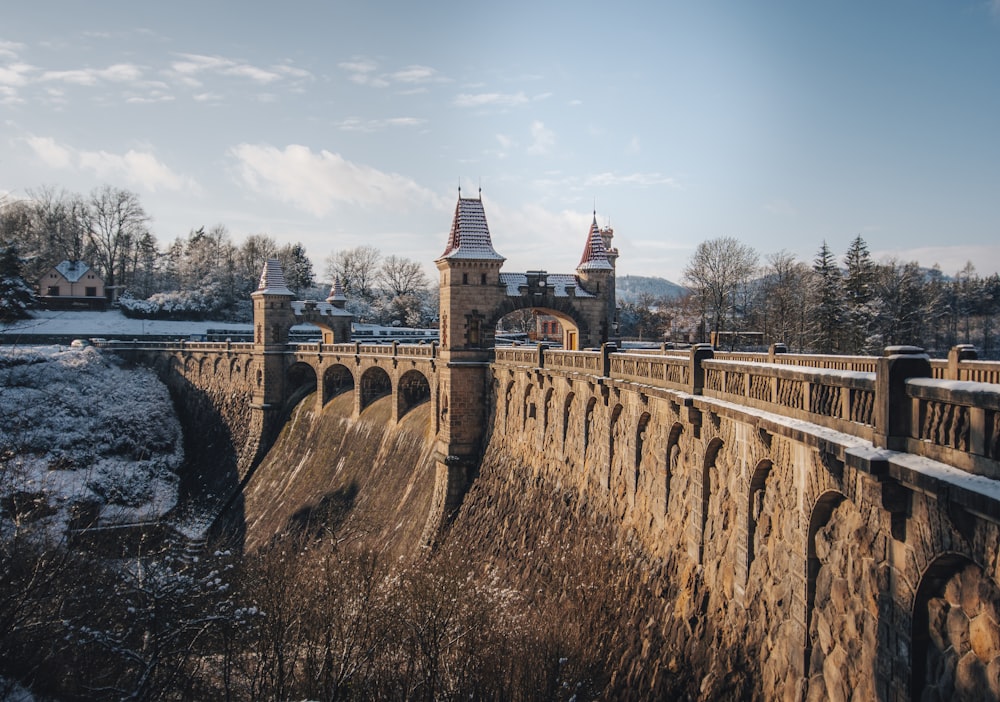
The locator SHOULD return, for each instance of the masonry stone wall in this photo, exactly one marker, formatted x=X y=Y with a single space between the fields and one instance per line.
x=803 y=559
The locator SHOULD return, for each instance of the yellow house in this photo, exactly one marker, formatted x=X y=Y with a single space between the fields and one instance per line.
x=72 y=284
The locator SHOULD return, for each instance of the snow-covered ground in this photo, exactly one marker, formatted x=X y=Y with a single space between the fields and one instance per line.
x=79 y=431
x=109 y=323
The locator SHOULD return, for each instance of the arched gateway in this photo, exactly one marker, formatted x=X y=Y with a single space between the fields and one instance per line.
x=474 y=296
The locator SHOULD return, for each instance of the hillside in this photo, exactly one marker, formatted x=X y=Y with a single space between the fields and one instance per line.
x=630 y=287
x=79 y=434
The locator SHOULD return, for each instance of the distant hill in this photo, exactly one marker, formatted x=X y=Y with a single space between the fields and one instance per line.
x=630 y=287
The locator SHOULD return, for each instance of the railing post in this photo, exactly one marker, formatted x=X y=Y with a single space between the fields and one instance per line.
x=773 y=350
x=893 y=417
x=541 y=355
x=957 y=354
x=606 y=351
x=699 y=352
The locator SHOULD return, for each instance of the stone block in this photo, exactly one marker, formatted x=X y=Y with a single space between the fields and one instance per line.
x=970 y=677
x=957 y=630
x=984 y=637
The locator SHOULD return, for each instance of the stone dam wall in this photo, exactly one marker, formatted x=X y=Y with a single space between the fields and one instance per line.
x=702 y=546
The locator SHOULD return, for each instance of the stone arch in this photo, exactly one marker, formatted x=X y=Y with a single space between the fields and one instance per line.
x=189 y=364
x=588 y=424
x=616 y=414
x=673 y=460
x=234 y=368
x=818 y=518
x=755 y=504
x=300 y=381
x=337 y=379
x=562 y=308
x=375 y=383
x=708 y=465
x=508 y=397
x=412 y=389
x=640 y=442
x=216 y=364
x=546 y=413
x=567 y=413
x=527 y=405
x=953 y=635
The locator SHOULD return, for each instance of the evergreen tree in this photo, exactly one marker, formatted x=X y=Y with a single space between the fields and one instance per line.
x=297 y=268
x=859 y=292
x=828 y=302
x=15 y=293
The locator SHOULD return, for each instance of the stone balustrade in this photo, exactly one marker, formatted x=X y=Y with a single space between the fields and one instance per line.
x=933 y=415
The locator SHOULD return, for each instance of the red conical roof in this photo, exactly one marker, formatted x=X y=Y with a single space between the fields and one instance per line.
x=470 y=235
x=595 y=256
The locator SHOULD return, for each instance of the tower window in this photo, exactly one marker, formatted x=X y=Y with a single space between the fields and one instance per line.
x=465 y=279
x=482 y=279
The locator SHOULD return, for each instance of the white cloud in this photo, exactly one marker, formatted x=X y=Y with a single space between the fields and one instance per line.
x=10 y=49
x=316 y=182
x=15 y=75
x=365 y=71
x=533 y=237
x=117 y=73
x=417 y=74
x=137 y=167
x=357 y=124
x=633 y=146
x=489 y=99
x=51 y=153
x=542 y=139
x=191 y=66
x=641 y=179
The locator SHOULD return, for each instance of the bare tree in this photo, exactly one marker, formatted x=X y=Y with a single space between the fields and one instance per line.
x=115 y=223
x=717 y=272
x=402 y=276
x=781 y=312
x=357 y=268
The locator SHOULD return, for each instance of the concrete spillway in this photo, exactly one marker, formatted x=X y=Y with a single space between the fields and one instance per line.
x=367 y=479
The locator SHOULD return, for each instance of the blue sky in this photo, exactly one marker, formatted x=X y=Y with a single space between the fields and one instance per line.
x=336 y=124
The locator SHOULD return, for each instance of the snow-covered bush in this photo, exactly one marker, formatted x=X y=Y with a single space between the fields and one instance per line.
x=78 y=430
x=178 y=304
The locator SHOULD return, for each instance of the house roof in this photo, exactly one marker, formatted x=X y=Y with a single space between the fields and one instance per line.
x=561 y=284
x=470 y=235
x=72 y=270
x=595 y=256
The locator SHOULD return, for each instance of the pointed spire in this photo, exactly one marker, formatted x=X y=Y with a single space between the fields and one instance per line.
x=272 y=279
x=595 y=256
x=470 y=235
x=337 y=298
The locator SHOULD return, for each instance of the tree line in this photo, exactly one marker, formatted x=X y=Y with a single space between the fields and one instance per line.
x=203 y=274
x=850 y=306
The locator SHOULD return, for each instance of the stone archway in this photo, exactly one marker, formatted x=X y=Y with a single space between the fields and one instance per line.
x=954 y=635
x=412 y=389
x=375 y=383
x=300 y=379
x=337 y=379
x=572 y=322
